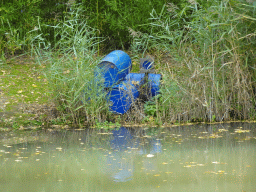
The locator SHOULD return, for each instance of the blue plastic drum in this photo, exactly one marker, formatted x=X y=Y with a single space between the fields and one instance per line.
x=114 y=67
x=122 y=96
x=147 y=64
x=154 y=83
x=138 y=79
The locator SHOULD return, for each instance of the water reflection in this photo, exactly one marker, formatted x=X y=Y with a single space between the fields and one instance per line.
x=126 y=145
x=120 y=165
x=192 y=158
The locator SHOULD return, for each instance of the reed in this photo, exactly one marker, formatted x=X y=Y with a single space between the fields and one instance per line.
x=204 y=51
x=206 y=60
x=70 y=68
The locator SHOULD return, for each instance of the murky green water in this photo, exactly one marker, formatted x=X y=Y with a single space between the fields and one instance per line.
x=193 y=158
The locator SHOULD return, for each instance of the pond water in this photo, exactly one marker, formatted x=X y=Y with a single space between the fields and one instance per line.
x=190 y=158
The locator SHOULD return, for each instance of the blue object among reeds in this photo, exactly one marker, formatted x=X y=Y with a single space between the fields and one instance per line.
x=122 y=86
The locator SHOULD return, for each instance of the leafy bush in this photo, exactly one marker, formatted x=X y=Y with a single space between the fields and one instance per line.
x=19 y=17
x=116 y=20
x=112 y=18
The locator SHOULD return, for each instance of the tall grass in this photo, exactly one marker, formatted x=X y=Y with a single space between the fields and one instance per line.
x=70 y=70
x=208 y=58
x=205 y=53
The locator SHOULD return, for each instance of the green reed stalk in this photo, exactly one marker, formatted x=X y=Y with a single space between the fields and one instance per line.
x=206 y=60
x=70 y=66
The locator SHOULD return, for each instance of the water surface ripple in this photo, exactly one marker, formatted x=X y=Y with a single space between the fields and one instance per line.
x=188 y=158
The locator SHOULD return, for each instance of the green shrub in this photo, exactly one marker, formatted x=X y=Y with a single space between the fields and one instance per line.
x=117 y=19
x=19 y=17
x=112 y=19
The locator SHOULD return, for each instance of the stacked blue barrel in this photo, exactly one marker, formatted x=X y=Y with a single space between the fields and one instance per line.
x=124 y=87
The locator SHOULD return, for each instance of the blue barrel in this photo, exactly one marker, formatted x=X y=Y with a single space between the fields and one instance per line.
x=154 y=83
x=122 y=96
x=138 y=79
x=114 y=67
x=147 y=64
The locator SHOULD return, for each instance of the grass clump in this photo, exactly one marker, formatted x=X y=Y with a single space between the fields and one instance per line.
x=205 y=51
x=70 y=71
x=207 y=62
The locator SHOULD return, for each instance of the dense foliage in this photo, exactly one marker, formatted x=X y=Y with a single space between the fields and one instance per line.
x=19 y=17
x=116 y=20
x=212 y=60
x=205 y=51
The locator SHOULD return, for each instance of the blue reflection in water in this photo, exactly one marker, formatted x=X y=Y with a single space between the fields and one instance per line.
x=121 y=166
x=122 y=139
x=155 y=147
x=120 y=160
